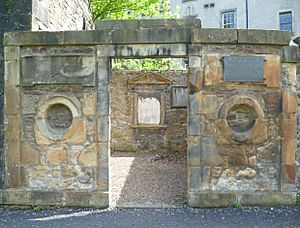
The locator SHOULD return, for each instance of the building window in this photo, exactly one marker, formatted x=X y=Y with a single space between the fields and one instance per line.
x=229 y=19
x=285 y=20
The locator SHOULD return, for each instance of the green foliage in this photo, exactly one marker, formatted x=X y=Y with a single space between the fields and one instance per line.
x=38 y=208
x=238 y=205
x=148 y=64
x=130 y=9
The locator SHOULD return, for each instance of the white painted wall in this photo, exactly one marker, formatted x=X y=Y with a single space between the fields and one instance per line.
x=263 y=14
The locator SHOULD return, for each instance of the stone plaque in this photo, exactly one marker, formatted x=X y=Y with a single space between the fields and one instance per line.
x=243 y=68
x=179 y=97
x=45 y=70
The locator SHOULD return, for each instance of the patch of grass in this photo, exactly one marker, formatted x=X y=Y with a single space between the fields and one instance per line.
x=238 y=205
x=38 y=208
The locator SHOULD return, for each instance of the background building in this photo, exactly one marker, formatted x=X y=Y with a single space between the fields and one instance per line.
x=242 y=14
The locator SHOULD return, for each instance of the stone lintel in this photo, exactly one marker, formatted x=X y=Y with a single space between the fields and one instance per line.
x=254 y=36
x=212 y=199
x=153 y=35
x=147 y=23
x=240 y=36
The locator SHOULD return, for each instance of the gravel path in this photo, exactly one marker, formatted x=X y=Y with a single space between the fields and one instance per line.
x=148 y=179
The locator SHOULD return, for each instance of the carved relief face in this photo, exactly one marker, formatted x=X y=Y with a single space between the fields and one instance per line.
x=241 y=118
x=59 y=117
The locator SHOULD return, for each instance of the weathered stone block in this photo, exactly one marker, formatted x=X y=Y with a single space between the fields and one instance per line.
x=209 y=105
x=87 y=37
x=289 y=146
x=289 y=126
x=16 y=197
x=103 y=153
x=272 y=71
x=13 y=128
x=13 y=153
x=196 y=124
x=252 y=36
x=236 y=156
x=289 y=54
x=103 y=104
x=268 y=198
x=194 y=103
x=289 y=102
x=194 y=151
x=197 y=199
x=103 y=74
x=259 y=133
x=86 y=199
x=13 y=176
x=103 y=179
x=288 y=174
x=68 y=171
x=194 y=49
x=268 y=153
x=46 y=198
x=103 y=129
x=195 y=80
x=89 y=104
x=215 y=36
x=213 y=70
x=57 y=155
x=12 y=73
x=12 y=93
x=11 y=53
x=209 y=155
x=29 y=155
x=194 y=177
x=88 y=156
x=29 y=38
x=77 y=132
x=194 y=62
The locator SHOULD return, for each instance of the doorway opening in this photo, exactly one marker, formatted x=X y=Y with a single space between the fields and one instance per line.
x=148 y=110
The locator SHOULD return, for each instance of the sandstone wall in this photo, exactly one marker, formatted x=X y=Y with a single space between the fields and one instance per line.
x=18 y=15
x=60 y=15
x=242 y=135
x=14 y=15
x=126 y=138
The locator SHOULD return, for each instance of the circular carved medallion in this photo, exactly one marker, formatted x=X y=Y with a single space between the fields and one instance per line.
x=59 y=117
x=241 y=117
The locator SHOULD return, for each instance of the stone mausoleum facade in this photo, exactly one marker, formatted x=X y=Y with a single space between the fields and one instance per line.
x=138 y=124
x=241 y=121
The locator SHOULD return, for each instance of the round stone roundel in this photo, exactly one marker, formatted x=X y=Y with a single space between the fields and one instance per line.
x=241 y=118
x=59 y=117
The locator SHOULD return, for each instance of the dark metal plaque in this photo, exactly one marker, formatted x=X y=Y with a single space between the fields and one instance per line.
x=243 y=68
